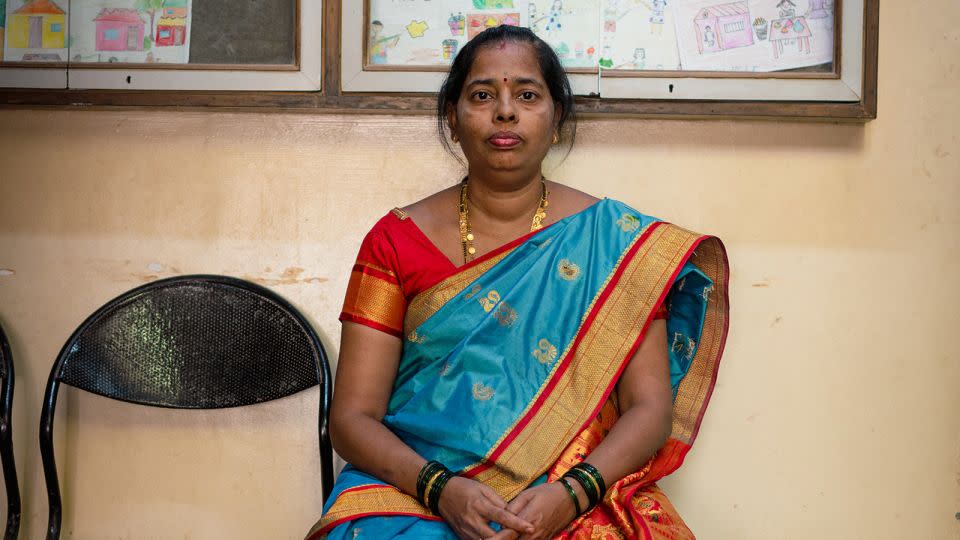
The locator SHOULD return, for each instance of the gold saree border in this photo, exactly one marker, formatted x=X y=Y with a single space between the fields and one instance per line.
x=428 y=302
x=696 y=387
x=371 y=298
x=368 y=499
x=586 y=373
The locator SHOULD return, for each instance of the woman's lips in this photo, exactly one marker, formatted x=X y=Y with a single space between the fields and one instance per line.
x=504 y=139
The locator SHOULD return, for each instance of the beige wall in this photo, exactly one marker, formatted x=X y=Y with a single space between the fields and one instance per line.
x=837 y=413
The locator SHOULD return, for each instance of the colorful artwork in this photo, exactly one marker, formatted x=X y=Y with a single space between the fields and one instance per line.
x=3 y=24
x=701 y=35
x=754 y=35
x=457 y=24
x=570 y=27
x=131 y=31
x=723 y=27
x=35 y=30
x=478 y=22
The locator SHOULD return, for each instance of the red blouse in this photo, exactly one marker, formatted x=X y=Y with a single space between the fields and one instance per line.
x=396 y=262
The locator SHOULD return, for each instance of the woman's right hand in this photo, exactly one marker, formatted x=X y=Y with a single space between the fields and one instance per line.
x=469 y=506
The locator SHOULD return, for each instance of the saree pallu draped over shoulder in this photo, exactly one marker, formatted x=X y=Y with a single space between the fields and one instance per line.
x=509 y=368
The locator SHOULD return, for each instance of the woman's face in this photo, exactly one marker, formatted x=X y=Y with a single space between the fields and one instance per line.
x=505 y=117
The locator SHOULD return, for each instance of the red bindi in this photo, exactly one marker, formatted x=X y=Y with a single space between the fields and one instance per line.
x=504 y=79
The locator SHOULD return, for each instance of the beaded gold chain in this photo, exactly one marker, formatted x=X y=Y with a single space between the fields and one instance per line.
x=466 y=231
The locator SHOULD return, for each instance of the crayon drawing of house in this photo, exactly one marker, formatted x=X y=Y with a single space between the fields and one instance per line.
x=119 y=29
x=723 y=27
x=38 y=24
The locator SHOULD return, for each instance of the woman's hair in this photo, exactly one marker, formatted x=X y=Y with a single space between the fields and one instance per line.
x=550 y=68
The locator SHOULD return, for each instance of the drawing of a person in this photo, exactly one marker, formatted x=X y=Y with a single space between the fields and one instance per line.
x=606 y=57
x=787 y=8
x=554 y=25
x=657 y=17
x=610 y=15
x=532 y=17
x=639 y=58
x=708 y=38
x=377 y=46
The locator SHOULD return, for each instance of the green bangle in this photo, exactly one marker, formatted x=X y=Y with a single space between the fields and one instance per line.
x=595 y=474
x=587 y=484
x=573 y=495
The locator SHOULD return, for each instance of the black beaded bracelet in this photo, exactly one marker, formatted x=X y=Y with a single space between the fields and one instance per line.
x=572 y=493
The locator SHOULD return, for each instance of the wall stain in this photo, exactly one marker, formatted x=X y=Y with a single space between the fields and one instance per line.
x=776 y=321
x=761 y=284
x=289 y=276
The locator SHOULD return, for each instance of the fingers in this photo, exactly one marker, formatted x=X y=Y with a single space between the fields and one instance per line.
x=492 y=496
x=510 y=520
x=505 y=534
x=483 y=530
x=519 y=503
x=500 y=514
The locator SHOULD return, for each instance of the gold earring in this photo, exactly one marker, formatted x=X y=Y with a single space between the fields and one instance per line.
x=453 y=137
x=556 y=138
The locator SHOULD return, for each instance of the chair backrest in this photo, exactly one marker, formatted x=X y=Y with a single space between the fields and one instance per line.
x=6 y=439
x=190 y=342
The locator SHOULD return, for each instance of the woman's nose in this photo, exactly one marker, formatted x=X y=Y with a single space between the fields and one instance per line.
x=506 y=109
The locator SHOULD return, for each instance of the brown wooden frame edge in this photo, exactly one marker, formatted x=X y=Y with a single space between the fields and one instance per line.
x=331 y=99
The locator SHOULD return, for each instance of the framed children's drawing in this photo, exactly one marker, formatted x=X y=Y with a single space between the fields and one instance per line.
x=166 y=44
x=644 y=51
x=728 y=58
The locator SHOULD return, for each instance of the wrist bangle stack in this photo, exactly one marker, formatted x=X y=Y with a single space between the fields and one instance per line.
x=432 y=479
x=573 y=495
x=591 y=480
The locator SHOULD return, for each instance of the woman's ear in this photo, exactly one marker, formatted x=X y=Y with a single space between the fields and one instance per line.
x=452 y=120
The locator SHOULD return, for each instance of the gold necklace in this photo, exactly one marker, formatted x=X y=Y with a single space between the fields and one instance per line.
x=466 y=231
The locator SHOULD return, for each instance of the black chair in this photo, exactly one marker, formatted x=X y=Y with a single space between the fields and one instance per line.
x=190 y=342
x=6 y=439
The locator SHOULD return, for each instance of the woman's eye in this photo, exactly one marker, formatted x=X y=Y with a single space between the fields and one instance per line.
x=527 y=96
x=481 y=95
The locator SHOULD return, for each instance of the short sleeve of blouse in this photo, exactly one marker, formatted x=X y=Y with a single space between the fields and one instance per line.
x=374 y=294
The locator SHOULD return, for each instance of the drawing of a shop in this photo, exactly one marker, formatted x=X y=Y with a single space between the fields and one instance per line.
x=723 y=27
x=171 y=31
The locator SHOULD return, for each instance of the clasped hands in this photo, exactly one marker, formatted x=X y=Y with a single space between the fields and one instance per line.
x=537 y=513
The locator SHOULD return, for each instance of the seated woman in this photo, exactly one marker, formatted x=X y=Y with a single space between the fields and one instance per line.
x=520 y=359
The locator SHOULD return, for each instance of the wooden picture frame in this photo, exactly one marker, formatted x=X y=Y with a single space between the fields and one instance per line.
x=335 y=96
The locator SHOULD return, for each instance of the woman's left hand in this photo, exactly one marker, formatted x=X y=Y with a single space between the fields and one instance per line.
x=547 y=506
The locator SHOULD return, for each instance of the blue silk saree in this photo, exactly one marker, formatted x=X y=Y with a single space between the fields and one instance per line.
x=509 y=368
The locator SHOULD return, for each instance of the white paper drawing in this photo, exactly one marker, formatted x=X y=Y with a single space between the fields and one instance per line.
x=753 y=35
x=36 y=31
x=131 y=31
